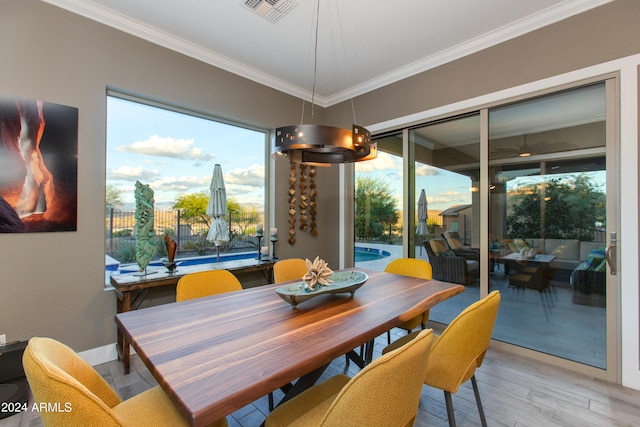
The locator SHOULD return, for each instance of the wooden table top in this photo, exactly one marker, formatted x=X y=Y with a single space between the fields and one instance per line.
x=159 y=276
x=214 y=355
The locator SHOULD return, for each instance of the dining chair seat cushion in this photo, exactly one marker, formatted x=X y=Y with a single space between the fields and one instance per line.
x=153 y=408
x=310 y=406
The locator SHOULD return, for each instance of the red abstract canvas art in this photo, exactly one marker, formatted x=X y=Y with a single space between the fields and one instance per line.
x=38 y=166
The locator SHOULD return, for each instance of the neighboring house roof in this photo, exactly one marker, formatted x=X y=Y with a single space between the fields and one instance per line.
x=454 y=210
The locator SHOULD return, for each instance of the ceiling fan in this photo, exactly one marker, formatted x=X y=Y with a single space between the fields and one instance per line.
x=526 y=150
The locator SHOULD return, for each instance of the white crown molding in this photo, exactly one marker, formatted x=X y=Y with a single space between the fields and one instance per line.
x=500 y=35
x=139 y=29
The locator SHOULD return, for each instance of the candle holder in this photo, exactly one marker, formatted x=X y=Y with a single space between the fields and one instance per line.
x=259 y=236
x=273 y=240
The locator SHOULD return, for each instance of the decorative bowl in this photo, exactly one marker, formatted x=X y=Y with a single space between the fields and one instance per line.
x=343 y=282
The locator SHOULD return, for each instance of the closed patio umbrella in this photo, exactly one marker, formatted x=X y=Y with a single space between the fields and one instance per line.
x=421 y=228
x=217 y=208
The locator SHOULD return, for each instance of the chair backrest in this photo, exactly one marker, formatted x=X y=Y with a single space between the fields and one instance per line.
x=205 y=283
x=410 y=267
x=440 y=247
x=58 y=376
x=457 y=353
x=289 y=269
x=387 y=391
x=453 y=239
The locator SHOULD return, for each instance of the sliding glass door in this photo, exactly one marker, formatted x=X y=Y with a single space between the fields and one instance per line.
x=518 y=197
x=447 y=169
x=548 y=218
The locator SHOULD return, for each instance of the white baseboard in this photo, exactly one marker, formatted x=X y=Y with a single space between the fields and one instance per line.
x=99 y=355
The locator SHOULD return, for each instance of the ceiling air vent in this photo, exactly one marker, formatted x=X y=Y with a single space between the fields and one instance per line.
x=271 y=10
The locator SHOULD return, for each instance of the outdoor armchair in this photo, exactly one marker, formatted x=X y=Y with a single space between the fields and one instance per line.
x=450 y=267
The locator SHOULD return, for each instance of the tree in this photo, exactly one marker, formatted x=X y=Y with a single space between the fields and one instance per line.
x=241 y=216
x=193 y=207
x=561 y=208
x=113 y=198
x=375 y=208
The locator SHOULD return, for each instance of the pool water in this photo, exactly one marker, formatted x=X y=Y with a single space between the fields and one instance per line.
x=369 y=254
x=132 y=268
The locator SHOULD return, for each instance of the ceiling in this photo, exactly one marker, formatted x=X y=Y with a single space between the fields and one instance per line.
x=362 y=44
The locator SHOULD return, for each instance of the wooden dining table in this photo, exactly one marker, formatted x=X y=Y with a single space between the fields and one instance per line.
x=214 y=355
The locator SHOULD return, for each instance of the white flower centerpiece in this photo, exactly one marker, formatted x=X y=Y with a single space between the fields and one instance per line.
x=317 y=275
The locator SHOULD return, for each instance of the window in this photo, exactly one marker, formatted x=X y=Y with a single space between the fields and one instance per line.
x=174 y=151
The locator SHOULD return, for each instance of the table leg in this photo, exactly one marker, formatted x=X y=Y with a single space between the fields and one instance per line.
x=123 y=304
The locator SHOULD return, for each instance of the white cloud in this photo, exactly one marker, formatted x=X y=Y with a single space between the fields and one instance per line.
x=130 y=173
x=252 y=176
x=384 y=161
x=167 y=147
x=426 y=170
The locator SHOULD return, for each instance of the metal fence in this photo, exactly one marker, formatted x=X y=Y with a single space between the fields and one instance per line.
x=189 y=235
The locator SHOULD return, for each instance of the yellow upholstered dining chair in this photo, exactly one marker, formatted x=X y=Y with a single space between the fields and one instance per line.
x=289 y=269
x=205 y=283
x=56 y=374
x=460 y=350
x=385 y=393
x=415 y=268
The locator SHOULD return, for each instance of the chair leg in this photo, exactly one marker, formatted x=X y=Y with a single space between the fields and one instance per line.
x=483 y=420
x=270 y=402
x=388 y=337
x=449 y=402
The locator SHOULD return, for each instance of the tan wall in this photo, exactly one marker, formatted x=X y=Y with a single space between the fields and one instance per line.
x=599 y=35
x=52 y=282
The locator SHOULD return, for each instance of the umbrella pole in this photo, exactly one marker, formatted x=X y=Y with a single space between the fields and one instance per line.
x=218 y=250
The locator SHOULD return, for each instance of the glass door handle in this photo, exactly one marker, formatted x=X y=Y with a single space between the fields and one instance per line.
x=612 y=254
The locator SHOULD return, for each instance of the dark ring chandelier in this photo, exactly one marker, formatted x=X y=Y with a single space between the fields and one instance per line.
x=319 y=144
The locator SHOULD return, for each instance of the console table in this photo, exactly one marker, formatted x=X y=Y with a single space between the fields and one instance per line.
x=125 y=284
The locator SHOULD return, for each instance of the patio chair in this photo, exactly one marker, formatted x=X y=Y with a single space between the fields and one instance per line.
x=450 y=267
x=459 y=247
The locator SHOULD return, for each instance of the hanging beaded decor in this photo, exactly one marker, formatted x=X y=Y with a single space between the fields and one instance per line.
x=312 y=201
x=305 y=202
x=292 y=203
x=303 y=198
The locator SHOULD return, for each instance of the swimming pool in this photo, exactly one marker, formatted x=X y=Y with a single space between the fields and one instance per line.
x=132 y=268
x=369 y=254
x=361 y=255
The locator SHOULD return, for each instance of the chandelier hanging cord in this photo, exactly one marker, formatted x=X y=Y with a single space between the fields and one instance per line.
x=322 y=144
x=344 y=57
x=315 y=61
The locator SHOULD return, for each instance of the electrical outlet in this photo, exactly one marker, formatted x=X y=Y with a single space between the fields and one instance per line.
x=3 y=339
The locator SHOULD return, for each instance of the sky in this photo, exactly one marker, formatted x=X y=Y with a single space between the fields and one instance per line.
x=175 y=154
x=442 y=188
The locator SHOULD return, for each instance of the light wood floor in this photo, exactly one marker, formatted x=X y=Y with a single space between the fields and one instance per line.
x=515 y=392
